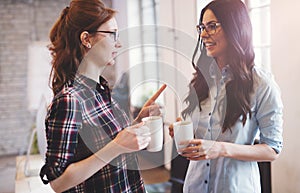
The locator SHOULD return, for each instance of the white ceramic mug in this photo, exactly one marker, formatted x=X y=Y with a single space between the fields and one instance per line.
x=155 y=125
x=183 y=132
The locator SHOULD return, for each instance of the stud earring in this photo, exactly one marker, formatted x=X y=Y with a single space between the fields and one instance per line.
x=88 y=46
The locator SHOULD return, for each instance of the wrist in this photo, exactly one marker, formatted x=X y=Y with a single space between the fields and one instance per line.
x=137 y=120
x=108 y=152
x=224 y=149
x=118 y=147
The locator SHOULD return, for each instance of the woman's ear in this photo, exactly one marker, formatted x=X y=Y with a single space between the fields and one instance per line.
x=85 y=40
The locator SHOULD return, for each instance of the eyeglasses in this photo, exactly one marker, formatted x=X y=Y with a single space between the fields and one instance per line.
x=113 y=34
x=210 y=28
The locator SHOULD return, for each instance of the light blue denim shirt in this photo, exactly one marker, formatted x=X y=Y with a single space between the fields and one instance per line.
x=225 y=175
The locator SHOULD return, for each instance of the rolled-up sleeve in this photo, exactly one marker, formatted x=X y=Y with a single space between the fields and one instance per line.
x=63 y=123
x=270 y=113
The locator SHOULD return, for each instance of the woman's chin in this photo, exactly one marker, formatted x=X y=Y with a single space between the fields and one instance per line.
x=111 y=63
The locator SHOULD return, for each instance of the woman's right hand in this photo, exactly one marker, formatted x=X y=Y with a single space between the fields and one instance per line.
x=171 y=130
x=133 y=138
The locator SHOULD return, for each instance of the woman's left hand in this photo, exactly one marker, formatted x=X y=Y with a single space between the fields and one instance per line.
x=200 y=149
x=150 y=108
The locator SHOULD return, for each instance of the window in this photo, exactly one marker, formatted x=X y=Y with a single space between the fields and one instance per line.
x=143 y=56
x=259 y=11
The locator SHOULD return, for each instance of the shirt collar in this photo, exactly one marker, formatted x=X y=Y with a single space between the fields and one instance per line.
x=90 y=83
x=225 y=75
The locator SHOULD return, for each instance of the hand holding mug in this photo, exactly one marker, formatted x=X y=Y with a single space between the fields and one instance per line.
x=183 y=133
x=171 y=127
x=139 y=136
x=200 y=149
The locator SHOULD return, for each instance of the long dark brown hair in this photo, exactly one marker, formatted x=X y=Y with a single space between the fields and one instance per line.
x=236 y=24
x=66 y=48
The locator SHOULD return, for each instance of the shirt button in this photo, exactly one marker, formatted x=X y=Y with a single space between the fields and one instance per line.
x=205 y=181
x=207 y=164
x=209 y=114
x=208 y=130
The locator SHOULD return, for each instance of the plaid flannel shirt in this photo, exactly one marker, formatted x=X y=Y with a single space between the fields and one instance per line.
x=81 y=120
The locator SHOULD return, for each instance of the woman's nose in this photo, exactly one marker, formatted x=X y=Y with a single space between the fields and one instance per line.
x=118 y=44
x=204 y=34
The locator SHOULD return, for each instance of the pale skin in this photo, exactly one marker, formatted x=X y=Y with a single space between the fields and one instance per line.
x=80 y=171
x=200 y=149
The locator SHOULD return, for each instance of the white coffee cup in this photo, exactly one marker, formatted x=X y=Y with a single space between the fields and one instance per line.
x=155 y=125
x=183 y=132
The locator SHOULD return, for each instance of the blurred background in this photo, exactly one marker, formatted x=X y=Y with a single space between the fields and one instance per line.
x=158 y=38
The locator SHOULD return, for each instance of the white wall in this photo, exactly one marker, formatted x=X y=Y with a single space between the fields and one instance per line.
x=39 y=67
x=285 y=61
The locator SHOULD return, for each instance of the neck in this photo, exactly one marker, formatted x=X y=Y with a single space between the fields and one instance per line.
x=90 y=70
x=221 y=62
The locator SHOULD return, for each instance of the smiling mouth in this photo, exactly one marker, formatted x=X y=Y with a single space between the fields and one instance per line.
x=207 y=44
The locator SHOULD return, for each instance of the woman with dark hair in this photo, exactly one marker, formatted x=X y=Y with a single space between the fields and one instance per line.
x=230 y=101
x=90 y=142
